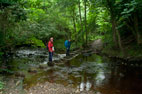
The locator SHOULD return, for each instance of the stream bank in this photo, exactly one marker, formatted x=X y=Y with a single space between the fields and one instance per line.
x=130 y=54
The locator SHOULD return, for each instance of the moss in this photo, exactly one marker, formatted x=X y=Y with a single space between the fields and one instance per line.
x=35 y=42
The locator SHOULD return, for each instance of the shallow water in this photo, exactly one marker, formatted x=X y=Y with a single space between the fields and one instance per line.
x=85 y=72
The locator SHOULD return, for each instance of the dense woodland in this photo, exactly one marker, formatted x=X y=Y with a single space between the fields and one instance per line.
x=32 y=22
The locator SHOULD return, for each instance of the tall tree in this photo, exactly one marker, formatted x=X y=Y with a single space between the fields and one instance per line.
x=80 y=16
x=116 y=34
x=85 y=20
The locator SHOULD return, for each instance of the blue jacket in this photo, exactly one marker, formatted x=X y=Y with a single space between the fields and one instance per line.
x=67 y=44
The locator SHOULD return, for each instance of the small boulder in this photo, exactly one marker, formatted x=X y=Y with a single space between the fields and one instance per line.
x=19 y=74
x=50 y=64
x=32 y=70
x=42 y=66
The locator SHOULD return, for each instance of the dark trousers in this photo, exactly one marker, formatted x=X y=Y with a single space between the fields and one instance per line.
x=67 y=51
x=50 y=56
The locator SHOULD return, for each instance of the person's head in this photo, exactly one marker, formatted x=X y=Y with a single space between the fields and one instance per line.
x=51 y=39
x=69 y=40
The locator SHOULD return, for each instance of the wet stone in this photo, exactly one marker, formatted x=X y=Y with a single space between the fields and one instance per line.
x=42 y=66
x=32 y=70
x=19 y=74
x=56 y=61
x=50 y=64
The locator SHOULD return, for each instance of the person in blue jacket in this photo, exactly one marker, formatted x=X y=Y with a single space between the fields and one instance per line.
x=67 y=45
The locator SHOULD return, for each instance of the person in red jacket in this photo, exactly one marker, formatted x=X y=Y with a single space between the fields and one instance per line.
x=50 y=49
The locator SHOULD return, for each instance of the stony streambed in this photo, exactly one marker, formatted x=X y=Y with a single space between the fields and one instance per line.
x=53 y=88
x=32 y=62
x=81 y=73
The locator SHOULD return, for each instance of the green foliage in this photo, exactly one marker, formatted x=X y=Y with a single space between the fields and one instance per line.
x=129 y=8
x=1 y=85
x=59 y=45
x=1 y=53
x=8 y=1
x=33 y=22
x=75 y=46
x=102 y=20
x=7 y=71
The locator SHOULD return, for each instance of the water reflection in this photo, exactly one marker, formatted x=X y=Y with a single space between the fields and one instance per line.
x=98 y=93
x=85 y=85
x=100 y=77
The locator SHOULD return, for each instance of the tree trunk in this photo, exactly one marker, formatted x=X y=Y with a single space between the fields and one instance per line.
x=85 y=21
x=74 y=25
x=112 y=22
x=117 y=35
x=114 y=32
x=81 y=20
x=119 y=40
x=136 y=29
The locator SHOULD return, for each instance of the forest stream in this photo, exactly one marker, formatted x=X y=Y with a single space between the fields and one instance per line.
x=84 y=72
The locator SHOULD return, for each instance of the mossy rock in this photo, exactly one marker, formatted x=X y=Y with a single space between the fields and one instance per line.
x=35 y=42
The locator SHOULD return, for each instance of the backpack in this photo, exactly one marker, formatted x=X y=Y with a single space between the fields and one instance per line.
x=66 y=43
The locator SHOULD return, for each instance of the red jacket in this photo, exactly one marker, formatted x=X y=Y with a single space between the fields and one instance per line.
x=50 y=45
